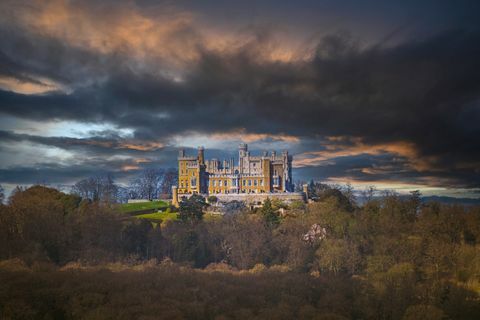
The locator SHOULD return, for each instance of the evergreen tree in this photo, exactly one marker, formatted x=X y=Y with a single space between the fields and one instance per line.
x=191 y=209
x=269 y=214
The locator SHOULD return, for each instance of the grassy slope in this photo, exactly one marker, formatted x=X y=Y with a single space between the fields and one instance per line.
x=132 y=207
x=156 y=216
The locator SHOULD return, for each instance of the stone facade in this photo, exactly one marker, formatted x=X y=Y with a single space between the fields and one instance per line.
x=265 y=174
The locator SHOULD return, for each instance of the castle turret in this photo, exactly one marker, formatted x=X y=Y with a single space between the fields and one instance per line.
x=174 y=196
x=305 y=191
x=242 y=150
x=201 y=155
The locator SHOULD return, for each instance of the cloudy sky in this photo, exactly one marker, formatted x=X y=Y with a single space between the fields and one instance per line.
x=383 y=93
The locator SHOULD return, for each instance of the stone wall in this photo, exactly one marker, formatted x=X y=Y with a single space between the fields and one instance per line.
x=256 y=198
x=137 y=200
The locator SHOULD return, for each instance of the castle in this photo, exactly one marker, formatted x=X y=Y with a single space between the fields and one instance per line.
x=252 y=179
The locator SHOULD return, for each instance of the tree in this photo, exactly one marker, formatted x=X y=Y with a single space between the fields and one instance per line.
x=147 y=184
x=39 y=214
x=135 y=238
x=2 y=194
x=269 y=214
x=369 y=193
x=336 y=255
x=191 y=209
x=96 y=232
x=246 y=240
x=97 y=188
x=212 y=199
x=169 y=179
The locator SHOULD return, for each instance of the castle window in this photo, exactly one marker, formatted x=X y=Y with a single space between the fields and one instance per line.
x=255 y=183
x=220 y=183
x=244 y=181
x=249 y=182
x=225 y=183
x=194 y=182
x=261 y=182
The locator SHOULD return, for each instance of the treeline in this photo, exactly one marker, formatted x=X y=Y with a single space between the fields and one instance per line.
x=148 y=184
x=390 y=258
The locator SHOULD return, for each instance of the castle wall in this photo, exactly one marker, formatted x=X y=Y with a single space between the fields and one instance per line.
x=252 y=175
x=256 y=198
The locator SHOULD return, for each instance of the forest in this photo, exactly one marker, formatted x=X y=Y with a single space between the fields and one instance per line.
x=389 y=257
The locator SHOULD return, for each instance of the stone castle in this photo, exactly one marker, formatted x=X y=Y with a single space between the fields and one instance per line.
x=252 y=179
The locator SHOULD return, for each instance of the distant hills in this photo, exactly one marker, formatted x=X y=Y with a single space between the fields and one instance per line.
x=441 y=199
x=451 y=200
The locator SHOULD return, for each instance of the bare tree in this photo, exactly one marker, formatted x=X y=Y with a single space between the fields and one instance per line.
x=147 y=184
x=369 y=193
x=97 y=188
x=169 y=179
x=2 y=194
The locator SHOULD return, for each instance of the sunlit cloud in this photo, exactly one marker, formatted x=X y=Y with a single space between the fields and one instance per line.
x=231 y=139
x=336 y=147
x=30 y=85
x=244 y=136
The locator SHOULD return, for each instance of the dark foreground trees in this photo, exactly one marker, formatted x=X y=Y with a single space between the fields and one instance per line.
x=390 y=258
x=169 y=291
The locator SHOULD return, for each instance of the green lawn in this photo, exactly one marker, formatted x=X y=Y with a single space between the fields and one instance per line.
x=159 y=216
x=132 y=207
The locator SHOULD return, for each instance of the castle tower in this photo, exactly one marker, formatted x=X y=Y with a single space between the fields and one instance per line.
x=201 y=155
x=242 y=150
x=174 y=196
x=305 y=191
x=242 y=153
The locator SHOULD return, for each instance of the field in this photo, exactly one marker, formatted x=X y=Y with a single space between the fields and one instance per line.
x=134 y=207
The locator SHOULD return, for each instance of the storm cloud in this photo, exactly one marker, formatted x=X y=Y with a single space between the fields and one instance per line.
x=404 y=109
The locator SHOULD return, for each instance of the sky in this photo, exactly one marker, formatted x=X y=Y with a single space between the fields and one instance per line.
x=371 y=93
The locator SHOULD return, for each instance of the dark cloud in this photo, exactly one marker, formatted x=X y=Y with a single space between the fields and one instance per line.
x=423 y=90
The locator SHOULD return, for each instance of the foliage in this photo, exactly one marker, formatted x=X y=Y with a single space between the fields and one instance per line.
x=390 y=258
x=269 y=214
x=191 y=209
x=212 y=199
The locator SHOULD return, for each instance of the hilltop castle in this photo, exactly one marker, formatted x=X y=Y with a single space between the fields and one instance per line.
x=252 y=179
